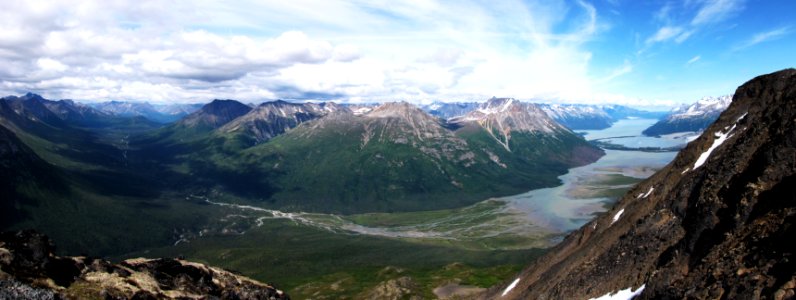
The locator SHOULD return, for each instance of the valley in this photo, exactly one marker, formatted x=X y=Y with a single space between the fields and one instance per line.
x=397 y=150
x=334 y=255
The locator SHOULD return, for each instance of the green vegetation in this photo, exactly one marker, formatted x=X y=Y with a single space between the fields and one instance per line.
x=296 y=258
x=115 y=192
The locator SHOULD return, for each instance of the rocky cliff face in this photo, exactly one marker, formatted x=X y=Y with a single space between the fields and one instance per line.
x=716 y=223
x=30 y=270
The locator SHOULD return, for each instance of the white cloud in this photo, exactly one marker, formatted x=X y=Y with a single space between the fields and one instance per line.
x=764 y=37
x=677 y=27
x=664 y=34
x=48 y=64
x=714 y=11
x=693 y=60
x=346 y=50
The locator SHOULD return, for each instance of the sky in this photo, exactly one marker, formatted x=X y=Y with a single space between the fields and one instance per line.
x=642 y=53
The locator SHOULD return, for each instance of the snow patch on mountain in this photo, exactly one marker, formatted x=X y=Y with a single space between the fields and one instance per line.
x=721 y=137
x=625 y=294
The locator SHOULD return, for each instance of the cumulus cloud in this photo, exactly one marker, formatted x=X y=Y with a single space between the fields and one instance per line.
x=347 y=50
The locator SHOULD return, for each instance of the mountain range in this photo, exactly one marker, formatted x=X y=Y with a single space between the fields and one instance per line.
x=320 y=157
x=594 y=117
x=713 y=224
x=164 y=113
x=393 y=157
x=693 y=117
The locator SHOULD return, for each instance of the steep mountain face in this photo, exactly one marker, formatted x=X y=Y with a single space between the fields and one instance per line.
x=694 y=117
x=29 y=269
x=271 y=119
x=715 y=223
x=447 y=110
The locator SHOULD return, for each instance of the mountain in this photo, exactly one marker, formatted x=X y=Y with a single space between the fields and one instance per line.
x=67 y=113
x=29 y=269
x=590 y=117
x=215 y=114
x=394 y=157
x=165 y=113
x=500 y=117
x=715 y=223
x=23 y=172
x=447 y=110
x=271 y=119
x=579 y=117
x=32 y=107
x=694 y=117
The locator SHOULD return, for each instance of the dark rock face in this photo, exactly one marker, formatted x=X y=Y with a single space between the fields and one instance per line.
x=215 y=114
x=30 y=270
x=716 y=223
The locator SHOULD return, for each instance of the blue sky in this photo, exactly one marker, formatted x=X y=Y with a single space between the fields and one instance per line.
x=648 y=53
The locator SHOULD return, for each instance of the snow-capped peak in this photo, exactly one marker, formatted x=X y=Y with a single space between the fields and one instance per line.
x=703 y=107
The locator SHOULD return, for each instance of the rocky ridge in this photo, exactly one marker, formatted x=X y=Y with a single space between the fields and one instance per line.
x=274 y=118
x=716 y=223
x=30 y=270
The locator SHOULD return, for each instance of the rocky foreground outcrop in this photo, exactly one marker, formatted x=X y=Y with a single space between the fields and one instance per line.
x=716 y=223
x=30 y=270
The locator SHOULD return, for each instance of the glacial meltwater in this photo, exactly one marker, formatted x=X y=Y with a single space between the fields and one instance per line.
x=585 y=190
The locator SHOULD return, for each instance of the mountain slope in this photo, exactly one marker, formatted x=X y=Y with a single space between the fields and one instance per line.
x=215 y=114
x=527 y=131
x=715 y=223
x=22 y=172
x=694 y=117
x=32 y=107
x=271 y=119
x=395 y=157
x=195 y=126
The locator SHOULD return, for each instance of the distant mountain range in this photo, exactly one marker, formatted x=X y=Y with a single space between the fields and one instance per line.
x=592 y=117
x=691 y=117
x=165 y=113
x=447 y=110
x=573 y=116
